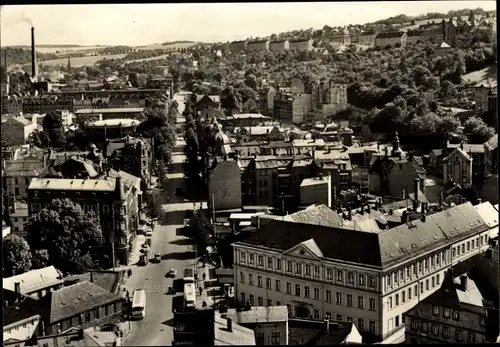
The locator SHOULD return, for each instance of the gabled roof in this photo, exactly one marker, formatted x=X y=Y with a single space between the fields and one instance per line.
x=34 y=280
x=25 y=307
x=459 y=150
x=444 y=45
x=238 y=336
x=309 y=332
x=488 y=213
x=75 y=299
x=318 y=215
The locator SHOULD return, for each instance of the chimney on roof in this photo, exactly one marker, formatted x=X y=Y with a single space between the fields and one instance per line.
x=404 y=217
x=17 y=287
x=229 y=325
x=422 y=207
x=92 y=276
x=416 y=188
x=479 y=201
x=327 y=324
x=349 y=214
x=368 y=208
x=463 y=282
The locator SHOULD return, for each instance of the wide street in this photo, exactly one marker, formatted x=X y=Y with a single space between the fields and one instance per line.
x=157 y=327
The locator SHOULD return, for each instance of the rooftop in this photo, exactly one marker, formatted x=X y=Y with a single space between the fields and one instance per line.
x=107 y=280
x=492 y=143
x=34 y=280
x=25 y=167
x=237 y=336
x=24 y=308
x=317 y=215
x=313 y=181
x=77 y=298
x=114 y=123
x=110 y=110
x=259 y=314
x=308 y=332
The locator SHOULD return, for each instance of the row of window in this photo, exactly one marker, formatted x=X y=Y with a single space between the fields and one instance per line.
x=275 y=338
x=415 y=270
x=17 y=327
x=308 y=270
x=444 y=331
x=469 y=246
x=26 y=181
x=406 y=295
x=316 y=313
x=307 y=292
x=87 y=317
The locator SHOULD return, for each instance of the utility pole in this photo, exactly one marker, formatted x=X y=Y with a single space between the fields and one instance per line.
x=113 y=250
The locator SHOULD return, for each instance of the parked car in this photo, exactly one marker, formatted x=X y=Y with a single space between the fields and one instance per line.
x=157 y=258
x=172 y=273
x=142 y=260
x=145 y=248
x=148 y=241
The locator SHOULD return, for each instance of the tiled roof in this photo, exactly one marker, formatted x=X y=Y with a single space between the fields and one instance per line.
x=278 y=144
x=87 y=165
x=72 y=184
x=488 y=213
x=107 y=280
x=34 y=280
x=238 y=336
x=110 y=110
x=312 y=181
x=308 y=332
x=308 y=143
x=25 y=308
x=23 y=167
x=318 y=215
x=259 y=314
x=383 y=249
x=459 y=150
x=492 y=143
x=77 y=298
x=114 y=123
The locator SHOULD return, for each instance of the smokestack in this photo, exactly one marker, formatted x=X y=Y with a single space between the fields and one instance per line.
x=17 y=287
x=416 y=188
x=230 y=325
x=33 y=54
x=92 y=276
x=463 y=282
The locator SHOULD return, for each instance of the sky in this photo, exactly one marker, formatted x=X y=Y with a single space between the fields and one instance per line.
x=142 y=24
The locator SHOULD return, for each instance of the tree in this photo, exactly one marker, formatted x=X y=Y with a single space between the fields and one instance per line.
x=40 y=258
x=230 y=100
x=16 y=255
x=250 y=106
x=477 y=130
x=65 y=232
x=54 y=129
x=202 y=228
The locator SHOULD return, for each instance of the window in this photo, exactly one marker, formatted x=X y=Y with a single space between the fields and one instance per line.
x=350 y=277
x=308 y=270
x=260 y=260
x=269 y=263
x=298 y=268
x=426 y=264
x=453 y=252
x=250 y=279
x=372 y=304
x=472 y=337
x=288 y=288
x=397 y=299
x=87 y=317
x=419 y=267
x=437 y=279
x=361 y=302
x=432 y=282
x=463 y=248
x=243 y=298
x=421 y=288
x=275 y=338
x=390 y=302
x=269 y=283
x=435 y=329
x=328 y=295
x=408 y=272
x=395 y=276
x=468 y=246
x=242 y=277
x=259 y=338
x=105 y=210
x=316 y=314
x=415 y=290
x=446 y=313
x=403 y=296
x=252 y=300
x=414 y=324
x=446 y=332
x=443 y=259
x=389 y=280
x=316 y=271
x=361 y=324
x=349 y=300
x=397 y=321
x=339 y=317
x=269 y=302
x=297 y=289
x=96 y=313
x=307 y=292
x=372 y=281
x=456 y=316
x=259 y=281
x=289 y=308
x=339 y=276
x=349 y=318
x=278 y=285
x=425 y=327
x=414 y=269
x=339 y=298
x=459 y=335
x=329 y=274
x=371 y=327
x=316 y=294
x=251 y=259
x=361 y=280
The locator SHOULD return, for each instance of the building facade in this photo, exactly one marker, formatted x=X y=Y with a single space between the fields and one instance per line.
x=224 y=185
x=391 y=38
x=260 y=45
x=301 y=45
x=457 y=166
x=278 y=46
x=327 y=271
x=238 y=46
x=491 y=156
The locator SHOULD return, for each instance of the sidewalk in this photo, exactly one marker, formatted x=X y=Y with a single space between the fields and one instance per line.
x=208 y=285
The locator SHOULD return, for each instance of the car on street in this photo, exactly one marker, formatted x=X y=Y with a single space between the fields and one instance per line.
x=142 y=260
x=148 y=241
x=172 y=273
x=145 y=248
x=157 y=258
x=149 y=233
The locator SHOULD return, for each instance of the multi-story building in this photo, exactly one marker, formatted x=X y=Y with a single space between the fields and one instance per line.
x=132 y=155
x=292 y=107
x=328 y=97
x=391 y=38
x=95 y=114
x=433 y=32
x=18 y=217
x=259 y=133
x=278 y=46
x=336 y=165
x=258 y=45
x=35 y=283
x=486 y=96
x=370 y=279
x=16 y=130
x=442 y=50
x=266 y=100
x=18 y=174
x=238 y=46
x=115 y=198
x=342 y=36
x=367 y=38
x=224 y=185
x=394 y=173
x=270 y=324
x=491 y=156
x=11 y=104
x=243 y=120
x=112 y=129
x=301 y=45
x=456 y=313
x=457 y=167
x=414 y=36
x=83 y=305
x=21 y=317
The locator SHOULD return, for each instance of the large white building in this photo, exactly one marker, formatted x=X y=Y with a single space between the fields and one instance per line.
x=368 y=278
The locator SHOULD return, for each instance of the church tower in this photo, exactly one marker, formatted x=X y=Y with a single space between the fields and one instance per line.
x=120 y=227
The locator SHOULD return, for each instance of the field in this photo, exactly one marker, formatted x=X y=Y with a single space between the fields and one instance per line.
x=81 y=61
x=171 y=46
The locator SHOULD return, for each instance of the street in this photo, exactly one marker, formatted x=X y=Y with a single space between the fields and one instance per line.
x=176 y=252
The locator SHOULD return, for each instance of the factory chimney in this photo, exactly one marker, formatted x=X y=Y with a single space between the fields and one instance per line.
x=33 y=54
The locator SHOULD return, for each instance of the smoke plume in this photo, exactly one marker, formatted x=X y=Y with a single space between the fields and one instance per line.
x=24 y=18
